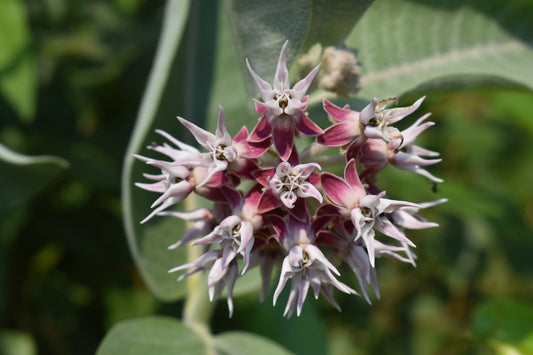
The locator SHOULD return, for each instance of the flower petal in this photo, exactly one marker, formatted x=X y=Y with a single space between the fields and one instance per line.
x=336 y=189
x=261 y=131
x=305 y=126
x=281 y=79
x=264 y=87
x=283 y=137
x=340 y=114
x=339 y=134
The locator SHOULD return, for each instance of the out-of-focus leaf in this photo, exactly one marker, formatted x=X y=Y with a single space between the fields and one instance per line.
x=405 y=43
x=16 y=343
x=302 y=335
x=151 y=335
x=23 y=176
x=17 y=73
x=504 y=320
x=242 y=343
x=333 y=20
x=261 y=27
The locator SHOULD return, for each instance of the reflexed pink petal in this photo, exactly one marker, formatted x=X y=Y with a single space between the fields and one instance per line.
x=241 y=135
x=252 y=198
x=339 y=134
x=252 y=149
x=261 y=175
x=261 y=131
x=278 y=224
x=328 y=210
x=330 y=239
x=336 y=188
x=354 y=149
x=352 y=177
x=314 y=178
x=305 y=126
x=283 y=137
x=242 y=168
x=259 y=107
x=340 y=114
x=299 y=210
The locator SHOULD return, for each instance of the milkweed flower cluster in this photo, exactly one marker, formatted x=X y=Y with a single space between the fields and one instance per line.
x=274 y=205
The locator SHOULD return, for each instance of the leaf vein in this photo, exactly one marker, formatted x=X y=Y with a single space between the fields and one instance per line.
x=430 y=62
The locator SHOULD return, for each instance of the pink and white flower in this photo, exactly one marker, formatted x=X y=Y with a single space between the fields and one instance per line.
x=282 y=109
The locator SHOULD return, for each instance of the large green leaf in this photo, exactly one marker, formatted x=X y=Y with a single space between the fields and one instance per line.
x=242 y=343
x=333 y=20
x=152 y=335
x=260 y=28
x=17 y=73
x=148 y=243
x=23 y=176
x=504 y=319
x=405 y=43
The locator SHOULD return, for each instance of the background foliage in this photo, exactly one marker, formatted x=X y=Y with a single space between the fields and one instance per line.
x=72 y=75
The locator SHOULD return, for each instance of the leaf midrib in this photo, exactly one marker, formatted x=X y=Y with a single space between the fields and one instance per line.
x=441 y=59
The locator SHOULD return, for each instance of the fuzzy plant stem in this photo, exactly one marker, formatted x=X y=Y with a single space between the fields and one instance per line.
x=198 y=309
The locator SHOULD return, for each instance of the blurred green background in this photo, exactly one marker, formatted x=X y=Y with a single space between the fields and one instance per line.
x=66 y=275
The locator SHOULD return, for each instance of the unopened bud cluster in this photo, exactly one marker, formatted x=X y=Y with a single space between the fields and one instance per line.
x=275 y=205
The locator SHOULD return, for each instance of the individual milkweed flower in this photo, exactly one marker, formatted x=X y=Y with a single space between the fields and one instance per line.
x=351 y=129
x=400 y=152
x=367 y=212
x=177 y=179
x=346 y=129
x=377 y=118
x=342 y=237
x=289 y=182
x=223 y=152
x=305 y=265
x=282 y=109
